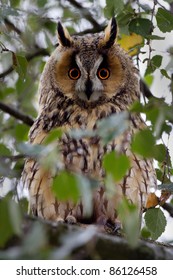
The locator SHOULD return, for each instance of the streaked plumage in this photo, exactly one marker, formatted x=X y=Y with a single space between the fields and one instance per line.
x=86 y=79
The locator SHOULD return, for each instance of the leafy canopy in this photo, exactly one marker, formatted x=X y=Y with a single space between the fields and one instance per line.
x=27 y=37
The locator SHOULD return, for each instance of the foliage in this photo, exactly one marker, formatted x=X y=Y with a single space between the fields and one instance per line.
x=155 y=221
x=27 y=37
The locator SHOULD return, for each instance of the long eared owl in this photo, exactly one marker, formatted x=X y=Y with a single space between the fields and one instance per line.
x=87 y=78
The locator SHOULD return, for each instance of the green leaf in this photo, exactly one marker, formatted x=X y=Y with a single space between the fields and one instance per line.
x=164 y=20
x=5 y=169
x=141 y=26
x=31 y=150
x=65 y=186
x=129 y=215
x=137 y=107
x=15 y=217
x=86 y=187
x=53 y=135
x=158 y=112
x=112 y=126
x=72 y=187
x=4 y=151
x=155 y=37
x=6 y=11
x=20 y=65
x=41 y=3
x=10 y=219
x=80 y=133
x=21 y=132
x=156 y=118
x=107 y=128
x=155 y=63
x=167 y=187
x=112 y=8
x=155 y=221
x=6 y=228
x=145 y=233
x=169 y=1
x=14 y=3
x=110 y=186
x=161 y=176
x=149 y=79
x=165 y=74
x=143 y=143
x=7 y=91
x=51 y=26
x=123 y=19
x=160 y=152
x=116 y=165
x=35 y=239
x=17 y=168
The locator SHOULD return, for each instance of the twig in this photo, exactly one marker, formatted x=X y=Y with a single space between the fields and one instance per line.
x=90 y=30
x=169 y=208
x=149 y=40
x=13 y=158
x=85 y=12
x=11 y=26
x=145 y=90
x=163 y=7
x=15 y=113
x=171 y=7
x=39 y=52
x=3 y=48
x=5 y=73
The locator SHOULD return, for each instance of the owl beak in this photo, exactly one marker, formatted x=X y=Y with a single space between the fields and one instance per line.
x=88 y=88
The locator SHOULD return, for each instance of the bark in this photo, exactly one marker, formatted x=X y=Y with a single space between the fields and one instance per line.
x=62 y=241
x=16 y=114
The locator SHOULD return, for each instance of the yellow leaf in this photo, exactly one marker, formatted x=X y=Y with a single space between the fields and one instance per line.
x=130 y=42
x=152 y=200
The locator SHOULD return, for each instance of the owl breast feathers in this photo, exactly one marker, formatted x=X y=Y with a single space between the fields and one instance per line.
x=86 y=79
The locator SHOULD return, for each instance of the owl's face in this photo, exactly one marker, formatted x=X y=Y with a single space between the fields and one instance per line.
x=90 y=73
x=91 y=68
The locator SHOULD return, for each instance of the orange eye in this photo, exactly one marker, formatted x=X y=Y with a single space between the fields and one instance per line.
x=103 y=73
x=74 y=73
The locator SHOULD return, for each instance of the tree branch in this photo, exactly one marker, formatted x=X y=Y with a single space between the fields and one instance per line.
x=90 y=30
x=39 y=52
x=86 y=13
x=75 y=242
x=43 y=52
x=11 y=26
x=169 y=208
x=15 y=113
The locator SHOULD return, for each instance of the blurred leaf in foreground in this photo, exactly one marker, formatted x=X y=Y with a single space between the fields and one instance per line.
x=10 y=219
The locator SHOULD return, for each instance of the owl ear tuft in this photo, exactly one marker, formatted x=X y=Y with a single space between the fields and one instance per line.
x=63 y=35
x=110 y=34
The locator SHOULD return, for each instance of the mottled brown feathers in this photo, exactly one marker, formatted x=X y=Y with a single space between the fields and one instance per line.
x=103 y=81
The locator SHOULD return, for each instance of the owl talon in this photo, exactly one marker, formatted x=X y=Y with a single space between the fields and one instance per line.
x=70 y=220
x=117 y=228
x=60 y=220
x=113 y=228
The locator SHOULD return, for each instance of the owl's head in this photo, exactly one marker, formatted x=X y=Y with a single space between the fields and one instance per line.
x=90 y=69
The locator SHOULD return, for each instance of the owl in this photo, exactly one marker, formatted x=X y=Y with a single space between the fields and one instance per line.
x=87 y=78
